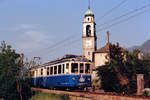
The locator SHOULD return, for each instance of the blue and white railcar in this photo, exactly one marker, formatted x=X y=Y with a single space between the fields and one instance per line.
x=68 y=72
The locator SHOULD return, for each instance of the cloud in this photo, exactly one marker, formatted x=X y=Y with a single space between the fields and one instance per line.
x=31 y=40
x=28 y=26
x=19 y=27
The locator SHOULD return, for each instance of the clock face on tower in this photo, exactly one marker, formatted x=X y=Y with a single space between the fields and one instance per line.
x=88 y=43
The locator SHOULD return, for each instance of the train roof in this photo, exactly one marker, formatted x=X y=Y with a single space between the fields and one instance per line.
x=64 y=59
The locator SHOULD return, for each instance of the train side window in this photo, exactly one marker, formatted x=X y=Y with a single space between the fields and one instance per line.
x=81 y=68
x=47 y=70
x=63 y=68
x=36 y=73
x=41 y=71
x=67 y=68
x=55 y=69
x=74 y=67
x=51 y=71
x=59 y=69
x=87 y=68
x=32 y=73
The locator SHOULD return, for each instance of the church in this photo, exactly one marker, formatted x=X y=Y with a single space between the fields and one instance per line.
x=97 y=56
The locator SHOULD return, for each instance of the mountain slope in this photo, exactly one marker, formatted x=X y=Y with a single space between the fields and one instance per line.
x=145 y=47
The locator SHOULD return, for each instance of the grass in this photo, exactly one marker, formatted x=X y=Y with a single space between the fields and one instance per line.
x=48 y=96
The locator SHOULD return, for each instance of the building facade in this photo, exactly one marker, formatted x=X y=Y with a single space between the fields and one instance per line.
x=89 y=35
x=97 y=57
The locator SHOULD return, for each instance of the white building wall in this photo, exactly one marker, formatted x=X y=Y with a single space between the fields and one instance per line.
x=100 y=59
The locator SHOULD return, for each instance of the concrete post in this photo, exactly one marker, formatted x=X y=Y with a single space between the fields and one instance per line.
x=140 y=84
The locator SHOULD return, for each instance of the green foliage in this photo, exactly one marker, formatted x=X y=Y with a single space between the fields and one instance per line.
x=119 y=73
x=49 y=96
x=10 y=80
x=145 y=93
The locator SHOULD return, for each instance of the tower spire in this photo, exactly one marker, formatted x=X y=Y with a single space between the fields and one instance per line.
x=89 y=5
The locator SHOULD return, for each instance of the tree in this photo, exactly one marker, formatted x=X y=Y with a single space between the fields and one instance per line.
x=119 y=73
x=12 y=84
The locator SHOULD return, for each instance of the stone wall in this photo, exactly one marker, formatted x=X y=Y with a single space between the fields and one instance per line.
x=114 y=97
x=107 y=97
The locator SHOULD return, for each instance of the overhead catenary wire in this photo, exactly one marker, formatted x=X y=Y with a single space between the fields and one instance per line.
x=53 y=46
x=55 y=52
x=58 y=44
x=111 y=10
x=109 y=26
x=52 y=50
x=119 y=22
x=68 y=38
x=124 y=15
x=126 y=19
x=62 y=42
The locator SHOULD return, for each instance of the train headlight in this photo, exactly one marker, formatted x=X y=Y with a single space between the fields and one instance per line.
x=73 y=78
x=89 y=79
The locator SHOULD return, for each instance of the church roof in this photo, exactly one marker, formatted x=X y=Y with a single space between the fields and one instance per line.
x=105 y=49
x=89 y=12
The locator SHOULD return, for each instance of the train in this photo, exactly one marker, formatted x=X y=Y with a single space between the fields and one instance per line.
x=69 y=72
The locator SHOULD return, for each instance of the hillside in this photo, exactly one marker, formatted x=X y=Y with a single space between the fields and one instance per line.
x=145 y=47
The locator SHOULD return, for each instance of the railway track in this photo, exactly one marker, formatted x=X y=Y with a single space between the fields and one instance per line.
x=92 y=95
x=76 y=93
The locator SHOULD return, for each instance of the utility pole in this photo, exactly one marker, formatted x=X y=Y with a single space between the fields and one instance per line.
x=22 y=64
x=37 y=60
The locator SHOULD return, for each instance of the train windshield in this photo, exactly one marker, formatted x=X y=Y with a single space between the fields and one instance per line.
x=41 y=71
x=87 y=68
x=74 y=67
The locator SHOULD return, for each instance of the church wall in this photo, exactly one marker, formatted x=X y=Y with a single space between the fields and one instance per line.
x=100 y=59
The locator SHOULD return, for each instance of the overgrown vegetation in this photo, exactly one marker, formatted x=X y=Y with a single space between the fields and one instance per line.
x=119 y=73
x=49 y=96
x=14 y=85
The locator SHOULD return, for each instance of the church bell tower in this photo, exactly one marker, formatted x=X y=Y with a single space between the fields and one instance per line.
x=89 y=35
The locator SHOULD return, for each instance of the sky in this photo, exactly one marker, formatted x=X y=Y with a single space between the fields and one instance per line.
x=53 y=28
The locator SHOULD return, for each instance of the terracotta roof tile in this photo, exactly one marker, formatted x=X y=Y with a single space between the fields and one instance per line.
x=105 y=49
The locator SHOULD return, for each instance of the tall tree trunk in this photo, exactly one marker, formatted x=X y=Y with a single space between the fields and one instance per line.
x=19 y=88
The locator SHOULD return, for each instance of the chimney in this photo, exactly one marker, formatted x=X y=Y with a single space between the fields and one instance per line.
x=107 y=36
x=139 y=55
x=117 y=44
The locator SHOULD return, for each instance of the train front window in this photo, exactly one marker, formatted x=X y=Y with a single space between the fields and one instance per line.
x=55 y=69
x=59 y=69
x=48 y=71
x=81 y=68
x=74 y=67
x=51 y=71
x=36 y=72
x=41 y=71
x=87 y=68
x=32 y=73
